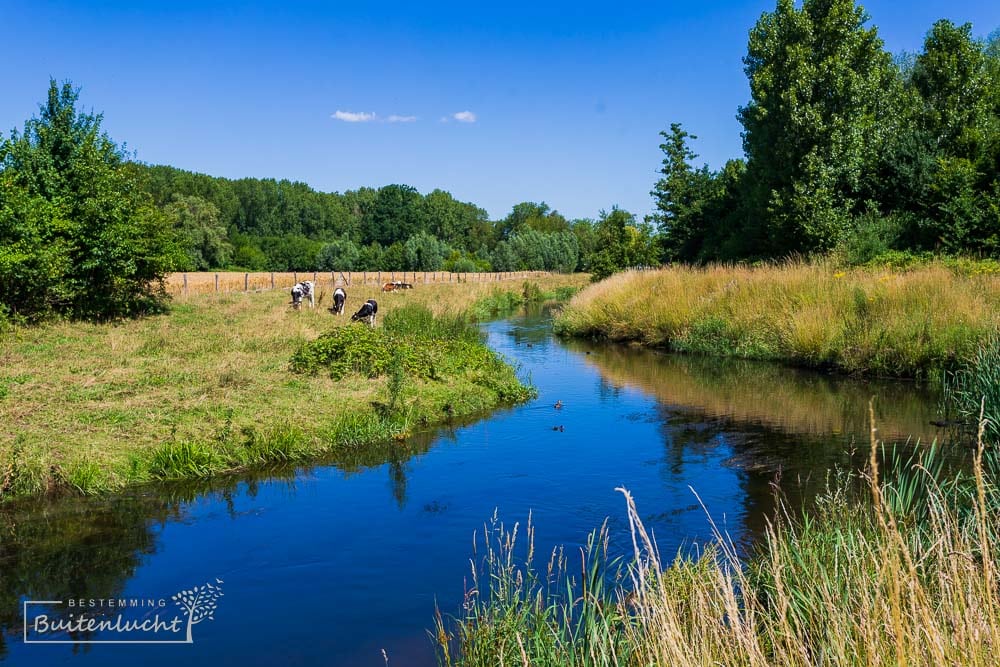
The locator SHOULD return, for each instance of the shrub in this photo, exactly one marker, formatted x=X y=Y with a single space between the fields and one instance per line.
x=413 y=343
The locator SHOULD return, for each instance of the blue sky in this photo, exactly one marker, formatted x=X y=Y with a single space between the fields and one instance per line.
x=564 y=100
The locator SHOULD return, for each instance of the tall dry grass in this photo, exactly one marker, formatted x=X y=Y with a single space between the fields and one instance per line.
x=862 y=321
x=907 y=577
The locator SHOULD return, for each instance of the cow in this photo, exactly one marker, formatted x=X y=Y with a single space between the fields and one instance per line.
x=366 y=313
x=303 y=289
x=339 y=298
x=388 y=287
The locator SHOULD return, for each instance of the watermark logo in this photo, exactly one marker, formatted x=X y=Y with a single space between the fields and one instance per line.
x=121 y=620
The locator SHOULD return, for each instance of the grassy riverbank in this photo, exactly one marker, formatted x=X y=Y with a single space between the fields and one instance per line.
x=208 y=387
x=907 y=575
x=863 y=321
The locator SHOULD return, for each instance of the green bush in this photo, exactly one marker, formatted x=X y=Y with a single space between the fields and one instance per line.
x=413 y=343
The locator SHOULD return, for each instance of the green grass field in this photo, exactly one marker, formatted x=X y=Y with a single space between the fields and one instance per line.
x=209 y=387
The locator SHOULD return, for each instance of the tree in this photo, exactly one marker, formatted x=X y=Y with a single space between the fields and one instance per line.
x=201 y=233
x=339 y=255
x=78 y=234
x=394 y=216
x=622 y=243
x=823 y=97
x=393 y=258
x=424 y=252
x=952 y=80
x=290 y=253
x=529 y=215
x=583 y=229
x=682 y=196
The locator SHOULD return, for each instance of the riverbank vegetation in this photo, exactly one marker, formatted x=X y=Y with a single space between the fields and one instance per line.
x=208 y=386
x=906 y=575
x=863 y=321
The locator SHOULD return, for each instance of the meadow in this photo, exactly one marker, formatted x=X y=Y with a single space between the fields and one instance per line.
x=865 y=321
x=209 y=386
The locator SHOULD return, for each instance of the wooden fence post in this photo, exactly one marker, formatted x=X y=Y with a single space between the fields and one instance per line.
x=295 y=277
x=185 y=282
x=216 y=282
x=246 y=282
x=272 y=279
x=315 y=278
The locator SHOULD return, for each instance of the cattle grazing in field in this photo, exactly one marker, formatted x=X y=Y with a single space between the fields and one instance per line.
x=366 y=313
x=395 y=285
x=388 y=287
x=303 y=289
x=339 y=299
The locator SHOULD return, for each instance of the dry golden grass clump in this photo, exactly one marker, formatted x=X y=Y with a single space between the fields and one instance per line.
x=862 y=321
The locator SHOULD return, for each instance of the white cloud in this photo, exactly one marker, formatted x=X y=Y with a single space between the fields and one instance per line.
x=464 y=117
x=353 y=116
x=400 y=119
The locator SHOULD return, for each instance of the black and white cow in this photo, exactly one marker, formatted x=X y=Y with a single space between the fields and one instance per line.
x=303 y=289
x=366 y=313
x=339 y=298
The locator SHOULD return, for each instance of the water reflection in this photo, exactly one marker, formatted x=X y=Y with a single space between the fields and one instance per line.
x=769 y=395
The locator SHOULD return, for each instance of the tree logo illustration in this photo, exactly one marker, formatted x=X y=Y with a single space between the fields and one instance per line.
x=199 y=603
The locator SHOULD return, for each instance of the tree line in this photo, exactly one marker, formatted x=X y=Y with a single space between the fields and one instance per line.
x=847 y=148
x=280 y=225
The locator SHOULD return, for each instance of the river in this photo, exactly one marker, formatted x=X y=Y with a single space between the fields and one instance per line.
x=335 y=562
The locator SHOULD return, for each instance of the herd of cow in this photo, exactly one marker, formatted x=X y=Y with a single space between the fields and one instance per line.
x=307 y=290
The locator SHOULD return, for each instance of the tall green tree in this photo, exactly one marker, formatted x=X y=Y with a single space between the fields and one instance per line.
x=953 y=83
x=823 y=101
x=682 y=196
x=78 y=233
